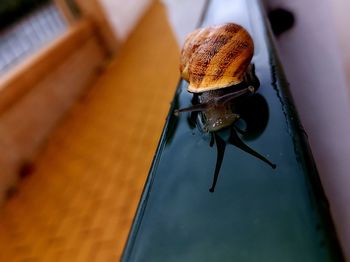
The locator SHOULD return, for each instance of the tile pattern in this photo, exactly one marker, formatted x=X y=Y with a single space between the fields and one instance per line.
x=79 y=202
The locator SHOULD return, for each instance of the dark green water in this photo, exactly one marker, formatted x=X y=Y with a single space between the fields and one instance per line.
x=256 y=213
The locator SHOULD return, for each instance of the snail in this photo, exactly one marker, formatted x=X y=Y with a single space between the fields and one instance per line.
x=216 y=61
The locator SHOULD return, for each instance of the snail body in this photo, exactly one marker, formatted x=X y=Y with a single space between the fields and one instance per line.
x=216 y=63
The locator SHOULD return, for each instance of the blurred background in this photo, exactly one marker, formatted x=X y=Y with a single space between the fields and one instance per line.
x=85 y=87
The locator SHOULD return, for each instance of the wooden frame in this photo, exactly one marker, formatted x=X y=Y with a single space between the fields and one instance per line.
x=16 y=82
x=65 y=11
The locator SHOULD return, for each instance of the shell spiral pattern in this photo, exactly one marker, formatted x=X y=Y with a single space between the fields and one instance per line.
x=216 y=57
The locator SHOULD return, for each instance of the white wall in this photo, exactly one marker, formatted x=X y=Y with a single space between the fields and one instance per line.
x=183 y=16
x=124 y=15
x=313 y=61
x=340 y=12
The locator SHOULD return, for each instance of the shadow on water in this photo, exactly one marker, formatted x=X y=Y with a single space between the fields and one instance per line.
x=254 y=116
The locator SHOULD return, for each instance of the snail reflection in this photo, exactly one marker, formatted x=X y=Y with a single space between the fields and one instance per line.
x=254 y=114
x=216 y=63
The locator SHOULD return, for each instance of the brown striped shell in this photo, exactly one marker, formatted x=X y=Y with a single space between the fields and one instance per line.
x=216 y=57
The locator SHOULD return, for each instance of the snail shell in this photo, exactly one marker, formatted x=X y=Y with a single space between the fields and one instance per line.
x=216 y=57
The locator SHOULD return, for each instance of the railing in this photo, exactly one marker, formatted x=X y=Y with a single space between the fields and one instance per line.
x=29 y=34
x=257 y=212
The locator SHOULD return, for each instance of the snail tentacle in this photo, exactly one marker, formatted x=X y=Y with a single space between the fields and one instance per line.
x=194 y=108
x=217 y=101
x=228 y=97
